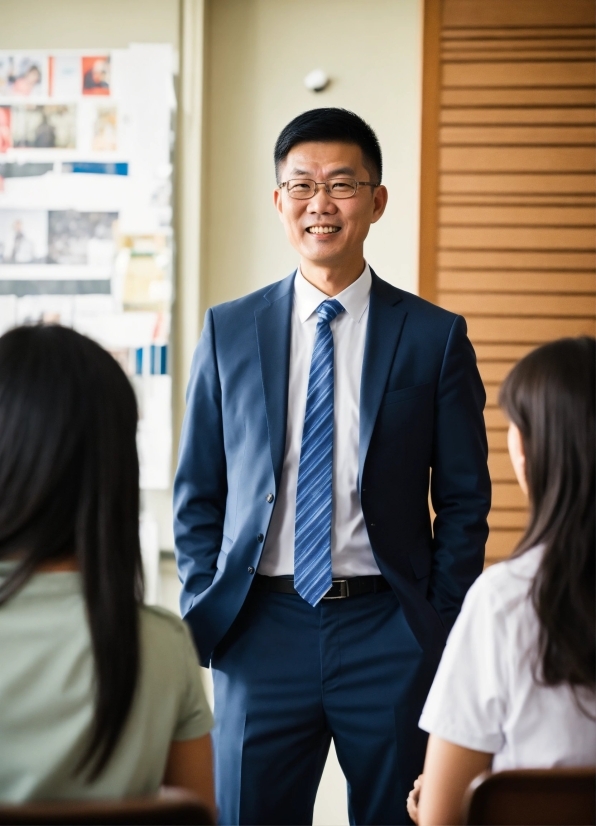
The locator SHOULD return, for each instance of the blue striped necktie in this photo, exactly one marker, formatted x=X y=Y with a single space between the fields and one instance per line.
x=312 y=549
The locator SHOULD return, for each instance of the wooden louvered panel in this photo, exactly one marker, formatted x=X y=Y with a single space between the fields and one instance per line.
x=526 y=184
x=500 y=467
x=514 y=215
x=487 y=96
x=518 y=199
x=513 y=74
x=511 y=281
x=508 y=196
x=516 y=238
x=516 y=260
x=505 y=304
x=545 y=45
x=481 y=134
x=501 y=542
x=485 y=54
x=528 y=33
x=488 y=353
x=509 y=519
x=508 y=495
x=507 y=15
x=527 y=330
x=494 y=371
x=519 y=116
x=518 y=159
x=497 y=439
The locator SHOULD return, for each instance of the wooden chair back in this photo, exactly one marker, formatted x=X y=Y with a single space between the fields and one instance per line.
x=171 y=806
x=532 y=797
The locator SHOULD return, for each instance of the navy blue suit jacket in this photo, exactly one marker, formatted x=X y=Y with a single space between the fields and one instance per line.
x=420 y=420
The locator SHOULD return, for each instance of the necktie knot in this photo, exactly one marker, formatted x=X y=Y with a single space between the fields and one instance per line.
x=329 y=309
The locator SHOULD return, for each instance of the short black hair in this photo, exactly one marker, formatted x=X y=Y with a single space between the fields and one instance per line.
x=326 y=125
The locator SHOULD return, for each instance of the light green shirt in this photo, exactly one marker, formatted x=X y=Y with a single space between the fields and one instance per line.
x=46 y=696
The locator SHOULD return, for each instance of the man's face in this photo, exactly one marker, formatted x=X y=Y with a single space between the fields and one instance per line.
x=325 y=231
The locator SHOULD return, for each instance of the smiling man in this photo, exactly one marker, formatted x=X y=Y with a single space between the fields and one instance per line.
x=312 y=578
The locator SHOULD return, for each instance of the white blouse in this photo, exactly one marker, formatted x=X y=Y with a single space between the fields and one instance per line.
x=484 y=696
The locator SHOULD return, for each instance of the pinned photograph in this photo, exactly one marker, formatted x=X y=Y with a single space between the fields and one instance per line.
x=44 y=127
x=81 y=238
x=96 y=75
x=105 y=129
x=23 y=236
x=23 y=75
x=5 y=131
x=65 y=76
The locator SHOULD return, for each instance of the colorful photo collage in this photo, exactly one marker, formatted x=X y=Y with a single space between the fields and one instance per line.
x=43 y=97
x=37 y=75
x=86 y=216
x=64 y=237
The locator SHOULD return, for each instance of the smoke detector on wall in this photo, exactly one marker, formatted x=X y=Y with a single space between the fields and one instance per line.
x=317 y=80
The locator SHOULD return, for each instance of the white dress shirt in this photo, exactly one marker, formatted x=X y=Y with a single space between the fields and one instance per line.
x=484 y=696
x=351 y=553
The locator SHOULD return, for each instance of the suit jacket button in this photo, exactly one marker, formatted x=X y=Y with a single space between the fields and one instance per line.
x=251 y=570
x=260 y=537
x=269 y=498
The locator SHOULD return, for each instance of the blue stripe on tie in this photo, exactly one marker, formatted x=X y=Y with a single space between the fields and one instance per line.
x=312 y=548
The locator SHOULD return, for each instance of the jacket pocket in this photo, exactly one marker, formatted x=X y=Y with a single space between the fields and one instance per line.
x=394 y=396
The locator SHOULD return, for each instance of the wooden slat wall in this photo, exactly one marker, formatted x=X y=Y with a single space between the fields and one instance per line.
x=508 y=205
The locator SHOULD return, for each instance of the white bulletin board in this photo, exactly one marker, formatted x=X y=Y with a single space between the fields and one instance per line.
x=86 y=141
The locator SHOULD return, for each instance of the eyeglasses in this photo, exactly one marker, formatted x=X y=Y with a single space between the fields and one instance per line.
x=303 y=188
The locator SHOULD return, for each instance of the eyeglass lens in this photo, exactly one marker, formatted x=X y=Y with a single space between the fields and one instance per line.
x=303 y=188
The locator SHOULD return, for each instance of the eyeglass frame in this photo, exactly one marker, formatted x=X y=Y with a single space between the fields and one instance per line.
x=325 y=184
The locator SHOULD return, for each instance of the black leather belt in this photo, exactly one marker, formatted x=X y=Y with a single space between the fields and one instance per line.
x=340 y=589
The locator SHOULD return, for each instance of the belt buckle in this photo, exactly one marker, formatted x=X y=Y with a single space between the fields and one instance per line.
x=344 y=589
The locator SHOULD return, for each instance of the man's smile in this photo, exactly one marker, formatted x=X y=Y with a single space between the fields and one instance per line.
x=322 y=229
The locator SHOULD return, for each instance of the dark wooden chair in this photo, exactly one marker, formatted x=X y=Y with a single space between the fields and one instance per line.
x=171 y=806
x=532 y=797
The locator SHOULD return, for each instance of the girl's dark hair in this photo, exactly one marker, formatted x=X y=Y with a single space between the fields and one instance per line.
x=331 y=124
x=550 y=396
x=69 y=484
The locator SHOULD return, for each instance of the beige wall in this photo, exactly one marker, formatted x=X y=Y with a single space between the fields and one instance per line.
x=76 y=24
x=259 y=52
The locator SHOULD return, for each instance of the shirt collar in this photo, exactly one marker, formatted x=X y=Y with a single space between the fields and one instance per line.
x=354 y=299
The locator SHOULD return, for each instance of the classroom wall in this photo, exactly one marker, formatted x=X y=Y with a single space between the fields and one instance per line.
x=259 y=53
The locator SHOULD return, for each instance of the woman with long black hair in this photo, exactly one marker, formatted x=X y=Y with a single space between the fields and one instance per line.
x=100 y=696
x=516 y=684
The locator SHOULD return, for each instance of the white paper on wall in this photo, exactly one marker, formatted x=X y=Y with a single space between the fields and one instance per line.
x=154 y=436
x=66 y=78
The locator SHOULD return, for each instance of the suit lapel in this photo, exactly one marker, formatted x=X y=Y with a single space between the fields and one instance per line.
x=385 y=322
x=274 y=324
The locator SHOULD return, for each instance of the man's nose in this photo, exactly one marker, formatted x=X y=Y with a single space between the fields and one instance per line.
x=321 y=201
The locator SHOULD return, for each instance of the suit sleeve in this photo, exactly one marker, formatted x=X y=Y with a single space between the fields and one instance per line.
x=460 y=483
x=200 y=485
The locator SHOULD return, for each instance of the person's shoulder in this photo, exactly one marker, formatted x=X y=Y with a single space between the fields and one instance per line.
x=421 y=308
x=507 y=583
x=247 y=304
x=159 y=623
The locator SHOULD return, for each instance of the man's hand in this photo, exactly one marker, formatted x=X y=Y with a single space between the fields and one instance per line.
x=414 y=797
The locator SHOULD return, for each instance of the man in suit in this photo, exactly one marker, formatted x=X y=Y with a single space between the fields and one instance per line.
x=320 y=409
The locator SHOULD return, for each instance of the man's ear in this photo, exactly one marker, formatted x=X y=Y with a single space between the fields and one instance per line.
x=380 y=196
x=278 y=201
